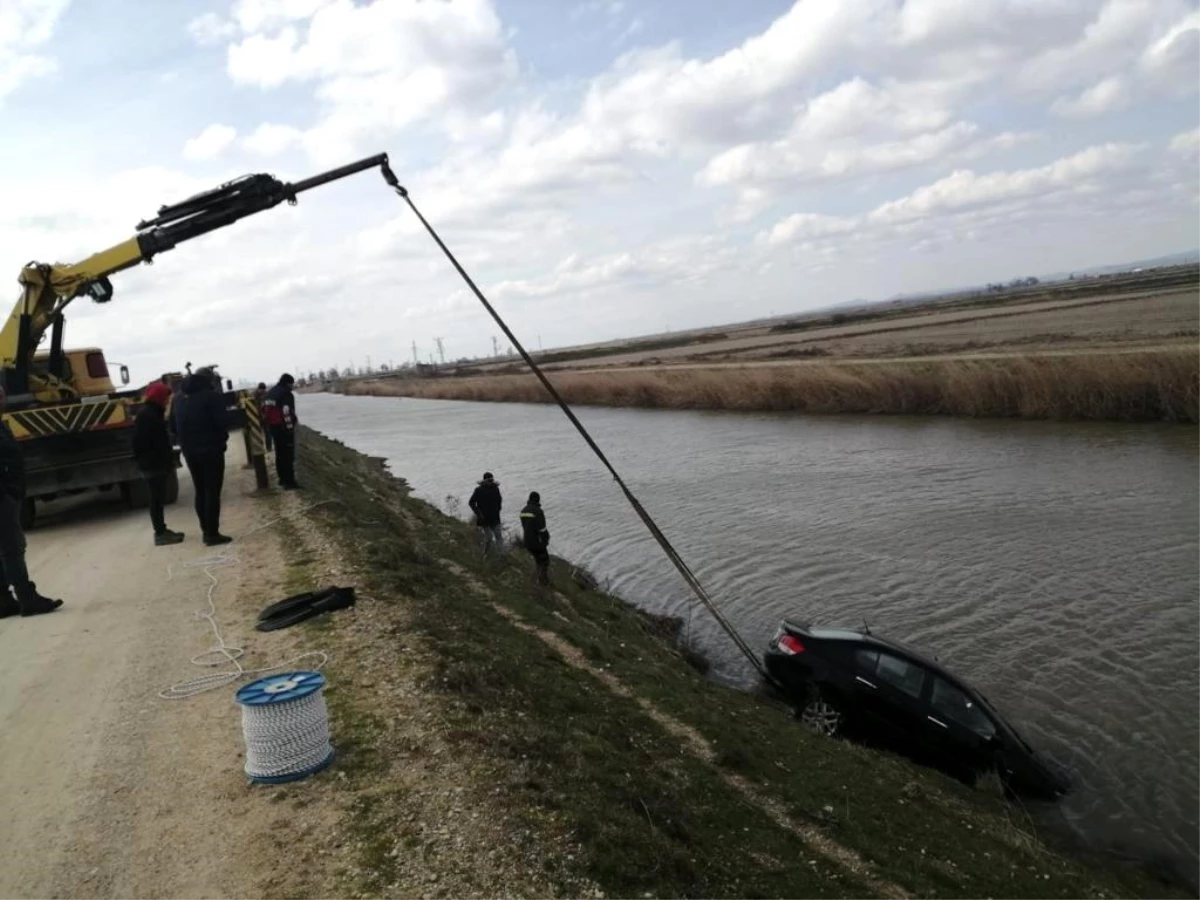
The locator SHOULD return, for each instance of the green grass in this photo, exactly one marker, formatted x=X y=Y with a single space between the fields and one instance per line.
x=581 y=765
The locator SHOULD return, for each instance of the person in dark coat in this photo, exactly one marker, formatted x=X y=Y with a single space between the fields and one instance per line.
x=152 y=451
x=485 y=502
x=537 y=538
x=203 y=435
x=279 y=410
x=15 y=575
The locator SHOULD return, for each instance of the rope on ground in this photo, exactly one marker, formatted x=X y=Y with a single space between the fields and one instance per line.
x=221 y=654
x=672 y=554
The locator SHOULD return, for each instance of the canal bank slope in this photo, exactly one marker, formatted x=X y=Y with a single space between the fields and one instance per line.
x=492 y=741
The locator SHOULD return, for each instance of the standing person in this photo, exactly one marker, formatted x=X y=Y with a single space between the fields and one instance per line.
x=12 y=536
x=152 y=450
x=203 y=436
x=280 y=409
x=537 y=538
x=260 y=399
x=485 y=502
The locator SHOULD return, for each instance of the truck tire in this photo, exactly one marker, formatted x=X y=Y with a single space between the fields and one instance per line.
x=136 y=493
x=172 y=494
x=28 y=513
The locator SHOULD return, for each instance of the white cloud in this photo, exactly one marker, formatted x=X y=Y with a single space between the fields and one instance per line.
x=1186 y=143
x=26 y=25
x=805 y=226
x=1173 y=60
x=378 y=67
x=270 y=139
x=1117 y=33
x=1108 y=95
x=210 y=143
x=964 y=189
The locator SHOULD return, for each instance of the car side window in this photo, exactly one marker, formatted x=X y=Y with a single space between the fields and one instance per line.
x=901 y=674
x=951 y=703
x=866 y=659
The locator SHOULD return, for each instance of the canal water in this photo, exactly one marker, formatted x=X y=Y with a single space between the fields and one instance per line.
x=1053 y=565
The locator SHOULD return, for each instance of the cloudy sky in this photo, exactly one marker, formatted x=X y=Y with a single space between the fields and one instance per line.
x=603 y=167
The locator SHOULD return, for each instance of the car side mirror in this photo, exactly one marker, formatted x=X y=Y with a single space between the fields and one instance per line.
x=124 y=374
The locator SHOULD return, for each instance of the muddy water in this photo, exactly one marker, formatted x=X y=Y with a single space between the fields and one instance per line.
x=1054 y=565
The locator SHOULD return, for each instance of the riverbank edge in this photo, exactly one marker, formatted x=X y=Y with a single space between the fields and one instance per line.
x=496 y=742
x=1155 y=385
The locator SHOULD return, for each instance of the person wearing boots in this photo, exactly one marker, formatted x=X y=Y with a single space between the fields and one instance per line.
x=13 y=572
x=203 y=436
x=279 y=410
x=152 y=451
x=485 y=502
x=537 y=538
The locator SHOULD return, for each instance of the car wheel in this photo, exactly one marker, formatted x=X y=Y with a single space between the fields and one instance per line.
x=821 y=716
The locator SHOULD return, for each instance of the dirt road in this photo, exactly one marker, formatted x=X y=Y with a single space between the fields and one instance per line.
x=107 y=790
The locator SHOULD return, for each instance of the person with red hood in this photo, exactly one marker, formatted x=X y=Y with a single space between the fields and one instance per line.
x=152 y=450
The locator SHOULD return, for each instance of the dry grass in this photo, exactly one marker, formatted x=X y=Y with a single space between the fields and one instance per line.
x=1151 y=386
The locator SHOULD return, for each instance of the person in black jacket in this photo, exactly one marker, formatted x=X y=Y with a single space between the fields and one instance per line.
x=15 y=575
x=152 y=451
x=279 y=410
x=537 y=538
x=203 y=436
x=485 y=502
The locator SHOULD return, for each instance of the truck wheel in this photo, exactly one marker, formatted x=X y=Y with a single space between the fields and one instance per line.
x=28 y=513
x=136 y=493
x=172 y=494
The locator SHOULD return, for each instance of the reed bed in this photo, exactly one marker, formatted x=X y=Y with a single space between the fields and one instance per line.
x=1128 y=386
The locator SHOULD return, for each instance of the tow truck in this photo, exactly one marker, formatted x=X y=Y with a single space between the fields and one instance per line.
x=74 y=425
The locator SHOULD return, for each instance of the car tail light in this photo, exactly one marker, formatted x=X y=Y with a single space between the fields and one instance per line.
x=790 y=644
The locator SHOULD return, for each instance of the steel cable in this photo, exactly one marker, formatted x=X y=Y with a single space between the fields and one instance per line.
x=672 y=554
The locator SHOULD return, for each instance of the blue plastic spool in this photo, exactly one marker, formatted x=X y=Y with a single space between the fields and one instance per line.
x=278 y=689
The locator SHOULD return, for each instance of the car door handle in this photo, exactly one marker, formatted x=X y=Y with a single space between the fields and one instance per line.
x=937 y=721
x=862 y=680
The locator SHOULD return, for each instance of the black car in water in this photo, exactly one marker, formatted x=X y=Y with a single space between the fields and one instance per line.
x=854 y=683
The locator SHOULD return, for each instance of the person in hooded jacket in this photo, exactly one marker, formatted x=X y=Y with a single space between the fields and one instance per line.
x=200 y=423
x=13 y=571
x=152 y=451
x=485 y=502
x=537 y=538
x=279 y=410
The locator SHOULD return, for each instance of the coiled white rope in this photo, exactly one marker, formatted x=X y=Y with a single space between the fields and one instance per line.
x=286 y=740
x=221 y=654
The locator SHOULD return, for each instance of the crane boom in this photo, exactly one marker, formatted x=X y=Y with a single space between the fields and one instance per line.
x=47 y=289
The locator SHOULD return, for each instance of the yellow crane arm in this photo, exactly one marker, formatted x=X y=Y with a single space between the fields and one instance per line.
x=46 y=290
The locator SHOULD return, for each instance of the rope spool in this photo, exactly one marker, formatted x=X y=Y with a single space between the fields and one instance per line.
x=285 y=726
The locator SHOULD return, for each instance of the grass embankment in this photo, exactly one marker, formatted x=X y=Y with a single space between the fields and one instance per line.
x=1132 y=386
x=496 y=742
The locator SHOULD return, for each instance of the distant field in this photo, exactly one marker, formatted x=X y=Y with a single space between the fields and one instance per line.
x=1141 y=310
x=1121 y=349
x=1163 y=318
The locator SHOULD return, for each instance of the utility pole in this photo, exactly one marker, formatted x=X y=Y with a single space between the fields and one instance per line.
x=495 y=346
x=441 y=349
